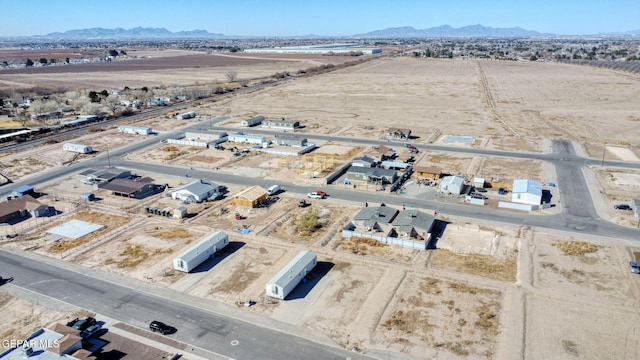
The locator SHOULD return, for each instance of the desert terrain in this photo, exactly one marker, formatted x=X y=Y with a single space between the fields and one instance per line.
x=488 y=291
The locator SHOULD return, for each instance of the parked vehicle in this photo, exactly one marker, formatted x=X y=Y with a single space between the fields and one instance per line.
x=90 y=331
x=274 y=190
x=164 y=329
x=480 y=190
x=302 y=203
x=633 y=266
x=318 y=194
x=83 y=324
x=622 y=207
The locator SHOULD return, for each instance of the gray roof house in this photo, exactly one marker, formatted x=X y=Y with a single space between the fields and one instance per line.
x=372 y=175
x=413 y=223
x=363 y=161
x=197 y=191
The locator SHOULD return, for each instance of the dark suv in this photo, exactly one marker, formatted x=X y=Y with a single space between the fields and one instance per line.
x=164 y=329
x=622 y=207
x=83 y=324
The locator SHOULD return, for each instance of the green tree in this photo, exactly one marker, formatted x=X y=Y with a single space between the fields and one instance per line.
x=67 y=60
x=95 y=98
x=104 y=93
x=52 y=61
x=28 y=63
x=43 y=61
x=113 y=53
x=123 y=53
x=533 y=58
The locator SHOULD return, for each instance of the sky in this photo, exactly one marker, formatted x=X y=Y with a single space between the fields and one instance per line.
x=325 y=17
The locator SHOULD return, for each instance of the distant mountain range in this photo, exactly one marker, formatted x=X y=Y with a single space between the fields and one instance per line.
x=448 y=31
x=135 y=33
x=395 y=32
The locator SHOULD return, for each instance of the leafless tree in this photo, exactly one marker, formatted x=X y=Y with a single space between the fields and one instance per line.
x=232 y=75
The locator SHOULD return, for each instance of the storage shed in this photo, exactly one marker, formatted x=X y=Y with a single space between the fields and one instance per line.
x=250 y=197
x=253 y=121
x=290 y=276
x=187 y=115
x=201 y=251
x=526 y=192
x=78 y=148
x=137 y=130
x=452 y=185
x=23 y=190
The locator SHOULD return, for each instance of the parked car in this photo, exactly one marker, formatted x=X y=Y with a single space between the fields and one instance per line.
x=622 y=207
x=83 y=324
x=633 y=266
x=481 y=190
x=164 y=329
x=90 y=331
x=314 y=195
x=302 y=203
x=274 y=189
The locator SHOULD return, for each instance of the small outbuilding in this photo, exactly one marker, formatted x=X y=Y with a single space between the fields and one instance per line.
x=77 y=148
x=201 y=251
x=363 y=161
x=526 y=192
x=429 y=172
x=452 y=185
x=250 y=197
x=290 y=276
x=23 y=190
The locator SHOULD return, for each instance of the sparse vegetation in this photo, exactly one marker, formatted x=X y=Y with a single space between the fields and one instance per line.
x=484 y=265
x=133 y=255
x=364 y=246
x=575 y=247
x=178 y=233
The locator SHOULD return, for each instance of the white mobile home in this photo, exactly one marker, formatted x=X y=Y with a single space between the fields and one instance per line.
x=127 y=129
x=241 y=137
x=203 y=250
x=187 y=115
x=290 y=276
x=79 y=148
x=253 y=121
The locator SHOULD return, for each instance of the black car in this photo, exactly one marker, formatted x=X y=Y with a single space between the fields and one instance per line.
x=481 y=190
x=622 y=207
x=83 y=324
x=164 y=329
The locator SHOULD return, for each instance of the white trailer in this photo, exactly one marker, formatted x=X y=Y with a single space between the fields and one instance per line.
x=203 y=250
x=290 y=276
x=187 y=115
x=78 y=148
x=253 y=121
x=138 y=130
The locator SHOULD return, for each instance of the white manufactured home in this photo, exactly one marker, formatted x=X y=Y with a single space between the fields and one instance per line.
x=290 y=276
x=201 y=251
x=137 y=130
x=253 y=121
x=78 y=148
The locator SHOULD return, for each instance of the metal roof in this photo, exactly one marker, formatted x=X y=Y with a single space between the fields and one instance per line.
x=202 y=245
x=413 y=218
x=199 y=187
x=75 y=229
x=527 y=186
x=293 y=268
x=127 y=186
x=381 y=214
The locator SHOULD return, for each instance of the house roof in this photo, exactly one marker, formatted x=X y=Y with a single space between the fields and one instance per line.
x=65 y=343
x=527 y=186
x=413 y=218
x=199 y=187
x=19 y=204
x=372 y=172
x=293 y=268
x=63 y=329
x=127 y=186
x=290 y=137
x=452 y=180
x=382 y=149
x=380 y=214
x=251 y=193
x=23 y=189
x=397 y=164
x=364 y=159
x=106 y=174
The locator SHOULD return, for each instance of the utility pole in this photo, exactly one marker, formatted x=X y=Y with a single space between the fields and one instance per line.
x=108 y=158
x=604 y=149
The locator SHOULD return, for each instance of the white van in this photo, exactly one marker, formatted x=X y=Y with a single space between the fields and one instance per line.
x=274 y=190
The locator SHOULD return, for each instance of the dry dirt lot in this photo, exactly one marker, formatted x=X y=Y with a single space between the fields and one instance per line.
x=617 y=186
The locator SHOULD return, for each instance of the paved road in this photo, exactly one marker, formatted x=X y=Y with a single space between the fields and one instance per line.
x=197 y=327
